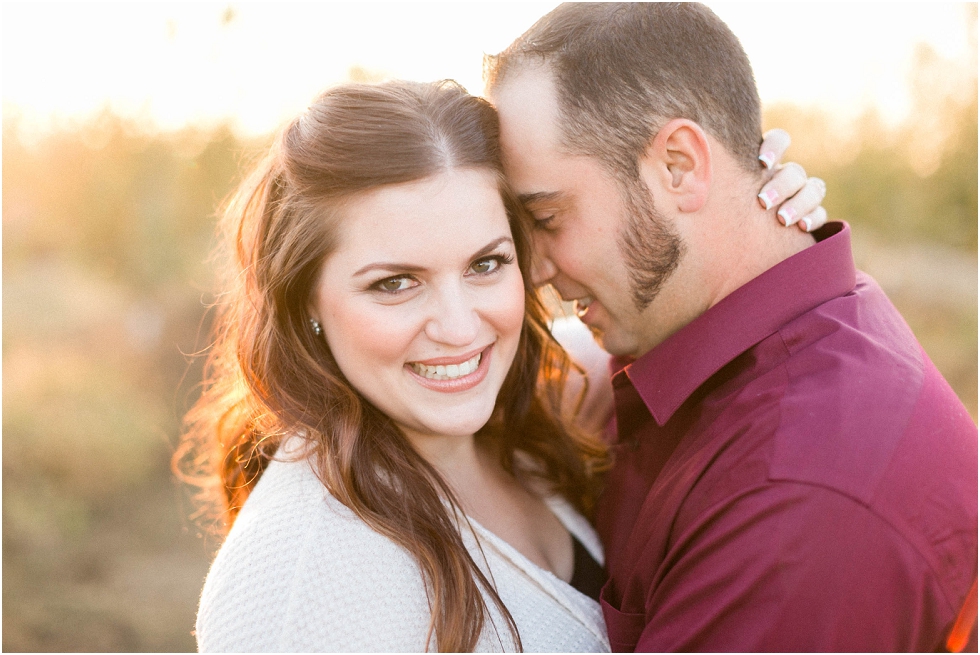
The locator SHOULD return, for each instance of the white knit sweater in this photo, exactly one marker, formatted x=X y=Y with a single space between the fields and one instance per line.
x=300 y=572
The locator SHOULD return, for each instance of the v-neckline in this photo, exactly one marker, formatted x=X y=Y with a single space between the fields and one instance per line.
x=523 y=561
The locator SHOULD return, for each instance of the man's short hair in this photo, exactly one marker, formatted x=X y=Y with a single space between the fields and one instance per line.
x=623 y=70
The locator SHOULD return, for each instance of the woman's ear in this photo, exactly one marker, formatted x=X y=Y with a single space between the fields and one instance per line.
x=678 y=161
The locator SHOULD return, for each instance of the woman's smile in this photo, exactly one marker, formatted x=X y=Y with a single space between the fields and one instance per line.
x=452 y=374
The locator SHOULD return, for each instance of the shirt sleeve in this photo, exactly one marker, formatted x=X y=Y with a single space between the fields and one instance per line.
x=793 y=567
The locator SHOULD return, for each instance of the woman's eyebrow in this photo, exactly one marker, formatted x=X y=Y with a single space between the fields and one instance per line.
x=414 y=268
x=389 y=266
x=490 y=247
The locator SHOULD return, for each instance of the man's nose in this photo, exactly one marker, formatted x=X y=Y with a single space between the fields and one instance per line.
x=454 y=319
x=542 y=268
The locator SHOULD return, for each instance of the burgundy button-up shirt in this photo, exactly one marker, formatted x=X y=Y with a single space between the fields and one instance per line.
x=791 y=474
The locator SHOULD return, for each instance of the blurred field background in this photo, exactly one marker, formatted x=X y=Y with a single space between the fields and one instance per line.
x=107 y=224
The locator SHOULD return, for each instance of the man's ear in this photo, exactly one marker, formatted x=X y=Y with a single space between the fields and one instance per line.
x=678 y=161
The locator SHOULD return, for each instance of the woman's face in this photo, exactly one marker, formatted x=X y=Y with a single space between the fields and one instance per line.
x=422 y=301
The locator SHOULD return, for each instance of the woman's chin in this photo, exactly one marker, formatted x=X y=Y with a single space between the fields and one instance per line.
x=452 y=428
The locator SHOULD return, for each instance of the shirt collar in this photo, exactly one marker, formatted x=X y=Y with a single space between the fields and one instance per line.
x=666 y=376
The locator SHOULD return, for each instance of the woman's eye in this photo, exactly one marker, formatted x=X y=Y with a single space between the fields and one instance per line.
x=485 y=266
x=490 y=265
x=393 y=284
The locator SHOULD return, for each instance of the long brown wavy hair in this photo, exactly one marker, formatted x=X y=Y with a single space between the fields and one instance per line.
x=268 y=376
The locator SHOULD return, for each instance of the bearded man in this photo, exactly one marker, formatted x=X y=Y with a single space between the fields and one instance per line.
x=791 y=471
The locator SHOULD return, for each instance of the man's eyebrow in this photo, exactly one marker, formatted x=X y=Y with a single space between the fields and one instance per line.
x=540 y=196
x=397 y=267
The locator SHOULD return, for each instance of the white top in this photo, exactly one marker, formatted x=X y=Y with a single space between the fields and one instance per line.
x=300 y=572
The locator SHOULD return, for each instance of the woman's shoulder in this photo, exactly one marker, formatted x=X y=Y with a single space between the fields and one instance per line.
x=286 y=515
x=289 y=505
x=300 y=571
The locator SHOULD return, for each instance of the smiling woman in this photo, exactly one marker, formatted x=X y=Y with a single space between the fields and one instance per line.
x=382 y=404
x=425 y=296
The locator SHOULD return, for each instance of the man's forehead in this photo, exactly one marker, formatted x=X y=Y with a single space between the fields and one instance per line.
x=526 y=100
x=529 y=132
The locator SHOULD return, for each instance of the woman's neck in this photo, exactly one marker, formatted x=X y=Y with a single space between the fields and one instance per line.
x=474 y=475
x=454 y=457
x=499 y=502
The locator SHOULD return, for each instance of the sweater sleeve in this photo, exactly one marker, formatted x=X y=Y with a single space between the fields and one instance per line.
x=300 y=573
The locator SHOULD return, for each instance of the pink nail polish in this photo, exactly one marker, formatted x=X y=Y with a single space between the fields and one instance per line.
x=768 y=198
x=788 y=214
x=768 y=158
x=809 y=224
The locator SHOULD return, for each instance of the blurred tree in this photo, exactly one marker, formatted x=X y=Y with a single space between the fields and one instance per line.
x=107 y=228
x=911 y=183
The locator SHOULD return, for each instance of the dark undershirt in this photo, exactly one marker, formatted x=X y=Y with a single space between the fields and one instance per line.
x=587 y=576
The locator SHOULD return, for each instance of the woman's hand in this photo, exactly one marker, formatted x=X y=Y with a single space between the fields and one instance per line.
x=797 y=196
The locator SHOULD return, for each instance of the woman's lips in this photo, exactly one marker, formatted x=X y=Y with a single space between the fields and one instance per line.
x=452 y=374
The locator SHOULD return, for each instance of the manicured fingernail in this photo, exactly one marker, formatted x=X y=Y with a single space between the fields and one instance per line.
x=788 y=214
x=806 y=221
x=768 y=158
x=768 y=198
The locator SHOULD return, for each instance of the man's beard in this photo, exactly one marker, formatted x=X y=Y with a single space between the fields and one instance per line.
x=649 y=244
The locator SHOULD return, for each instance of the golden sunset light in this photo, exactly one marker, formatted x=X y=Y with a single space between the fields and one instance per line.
x=257 y=63
x=212 y=245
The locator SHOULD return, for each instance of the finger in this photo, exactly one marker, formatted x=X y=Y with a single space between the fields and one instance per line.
x=814 y=220
x=804 y=202
x=788 y=180
x=774 y=145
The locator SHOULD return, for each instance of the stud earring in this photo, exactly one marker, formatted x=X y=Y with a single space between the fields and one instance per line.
x=317 y=329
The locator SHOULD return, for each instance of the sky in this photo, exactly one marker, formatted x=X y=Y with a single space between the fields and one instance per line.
x=258 y=64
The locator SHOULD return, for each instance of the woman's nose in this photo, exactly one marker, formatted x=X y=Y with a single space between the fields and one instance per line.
x=454 y=320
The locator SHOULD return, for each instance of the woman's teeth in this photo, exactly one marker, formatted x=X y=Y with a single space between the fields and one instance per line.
x=450 y=372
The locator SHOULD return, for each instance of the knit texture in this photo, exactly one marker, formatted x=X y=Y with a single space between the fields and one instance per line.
x=300 y=572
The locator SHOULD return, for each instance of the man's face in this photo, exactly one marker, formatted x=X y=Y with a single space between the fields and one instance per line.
x=598 y=241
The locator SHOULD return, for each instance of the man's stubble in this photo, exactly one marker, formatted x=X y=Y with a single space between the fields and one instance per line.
x=650 y=245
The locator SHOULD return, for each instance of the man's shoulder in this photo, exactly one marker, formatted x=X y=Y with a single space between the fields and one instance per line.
x=866 y=414
x=847 y=401
x=860 y=330
x=861 y=393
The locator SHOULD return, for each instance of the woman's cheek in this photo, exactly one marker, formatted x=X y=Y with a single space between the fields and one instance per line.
x=511 y=306
x=369 y=334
